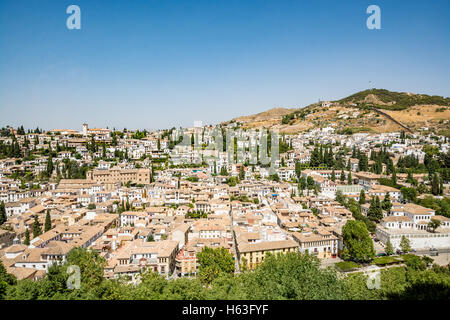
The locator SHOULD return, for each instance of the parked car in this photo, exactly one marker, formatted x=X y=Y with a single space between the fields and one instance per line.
x=434 y=252
x=413 y=250
x=398 y=251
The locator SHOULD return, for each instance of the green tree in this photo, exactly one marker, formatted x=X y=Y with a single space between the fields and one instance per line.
x=114 y=139
x=434 y=224
x=340 y=197
x=37 y=230
x=214 y=262
x=342 y=177
x=6 y=280
x=302 y=183
x=394 y=176
x=91 y=266
x=49 y=165
x=333 y=176
x=405 y=244
x=48 y=222
x=104 y=150
x=362 y=197
x=389 y=248
x=386 y=204
x=409 y=194
x=223 y=171
x=241 y=173
x=375 y=212
x=435 y=184
x=3 y=216
x=293 y=276
x=275 y=177
x=310 y=182
x=357 y=241
x=27 y=237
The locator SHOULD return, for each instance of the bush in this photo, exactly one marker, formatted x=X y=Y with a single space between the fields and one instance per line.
x=383 y=261
x=346 y=265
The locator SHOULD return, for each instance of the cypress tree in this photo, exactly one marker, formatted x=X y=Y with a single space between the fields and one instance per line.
x=362 y=197
x=330 y=157
x=389 y=248
x=104 y=151
x=27 y=237
x=375 y=212
x=50 y=165
x=394 y=177
x=320 y=155
x=325 y=156
x=435 y=184
x=386 y=204
x=48 y=222
x=3 y=216
x=36 y=227
x=379 y=210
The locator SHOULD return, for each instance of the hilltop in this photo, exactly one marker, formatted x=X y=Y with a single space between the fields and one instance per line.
x=372 y=110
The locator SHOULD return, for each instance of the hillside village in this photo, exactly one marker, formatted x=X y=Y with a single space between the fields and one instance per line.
x=143 y=201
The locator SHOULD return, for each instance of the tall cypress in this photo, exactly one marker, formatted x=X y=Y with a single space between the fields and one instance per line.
x=48 y=222
x=362 y=197
x=27 y=237
x=3 y=216
x=37 y=231
x=435 y=184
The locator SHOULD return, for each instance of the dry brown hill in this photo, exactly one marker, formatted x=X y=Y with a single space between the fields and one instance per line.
x=374 y=110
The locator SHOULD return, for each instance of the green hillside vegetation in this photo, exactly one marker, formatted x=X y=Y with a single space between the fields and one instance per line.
x=293 y=276
x=352 y=130
x=402 y=100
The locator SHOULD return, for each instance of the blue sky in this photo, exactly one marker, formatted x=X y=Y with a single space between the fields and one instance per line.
x=157 y=64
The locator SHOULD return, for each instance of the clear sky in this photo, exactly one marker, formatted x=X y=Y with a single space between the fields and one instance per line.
x=162 y=63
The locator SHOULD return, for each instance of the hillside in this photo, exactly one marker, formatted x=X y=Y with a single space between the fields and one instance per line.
x=266 y=118
x=373 y=110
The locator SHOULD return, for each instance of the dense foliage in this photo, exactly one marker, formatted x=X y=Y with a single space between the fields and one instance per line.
x=290 y=276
